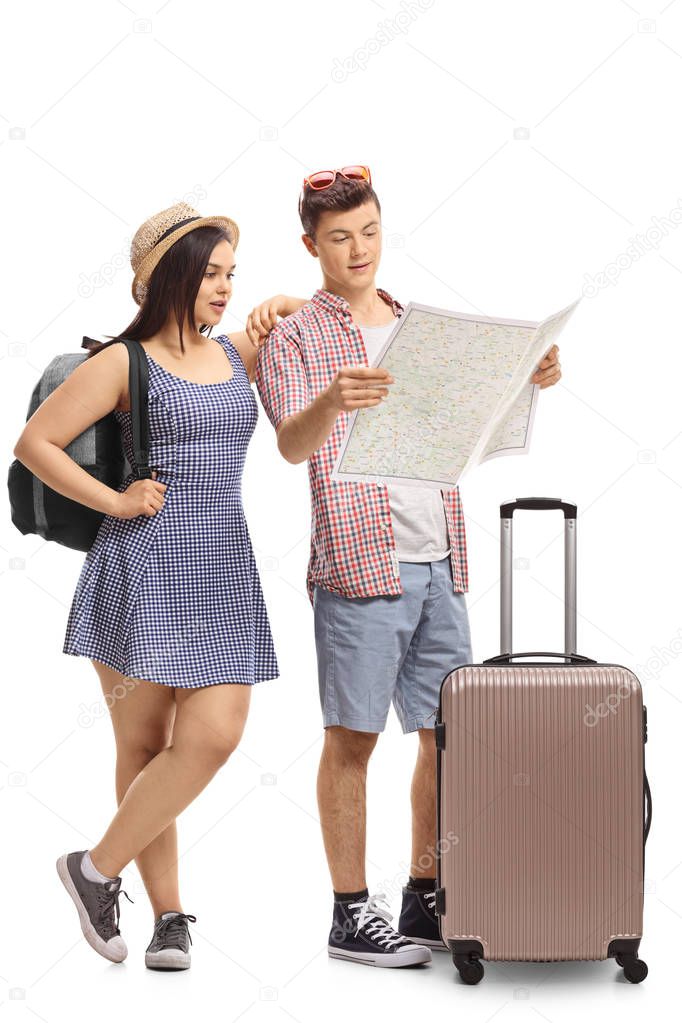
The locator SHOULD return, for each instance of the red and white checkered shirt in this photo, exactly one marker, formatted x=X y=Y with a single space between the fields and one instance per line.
x=352 y=548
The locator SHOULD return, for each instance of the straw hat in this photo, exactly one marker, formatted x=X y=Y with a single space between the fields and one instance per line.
x=154 y=238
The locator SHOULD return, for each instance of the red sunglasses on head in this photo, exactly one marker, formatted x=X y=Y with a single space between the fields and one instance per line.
x=325 y=178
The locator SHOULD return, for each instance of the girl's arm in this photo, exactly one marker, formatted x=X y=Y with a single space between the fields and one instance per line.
x=91 y=391
x=259 y=323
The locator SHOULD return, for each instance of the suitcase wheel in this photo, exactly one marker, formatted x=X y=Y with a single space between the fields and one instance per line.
x=469 y=967
x=634 y=969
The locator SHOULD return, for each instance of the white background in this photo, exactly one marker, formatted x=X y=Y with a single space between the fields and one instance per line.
x=517 y=150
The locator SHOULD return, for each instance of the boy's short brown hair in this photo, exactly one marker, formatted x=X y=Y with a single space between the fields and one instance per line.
x=344 y=194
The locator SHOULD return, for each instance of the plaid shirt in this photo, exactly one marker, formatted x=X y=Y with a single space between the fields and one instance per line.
x=352 y=548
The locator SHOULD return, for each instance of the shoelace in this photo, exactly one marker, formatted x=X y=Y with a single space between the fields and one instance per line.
x=376 y=919
x=107 y=900
x=172 y=928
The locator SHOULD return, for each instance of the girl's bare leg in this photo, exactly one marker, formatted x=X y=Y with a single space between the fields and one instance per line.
x=142 y=715
x=208 y=726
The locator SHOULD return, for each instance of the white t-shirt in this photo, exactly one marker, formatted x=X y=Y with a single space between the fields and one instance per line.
x=417 y=514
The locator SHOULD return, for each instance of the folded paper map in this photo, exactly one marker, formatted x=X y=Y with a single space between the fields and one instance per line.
x=462 y=394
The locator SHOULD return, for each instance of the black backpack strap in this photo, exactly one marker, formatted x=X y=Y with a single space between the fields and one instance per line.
x=138 y=384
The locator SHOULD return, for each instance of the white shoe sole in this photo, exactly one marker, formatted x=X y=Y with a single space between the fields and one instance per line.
x=408 y=957
x=168 y=959
x=89 y=933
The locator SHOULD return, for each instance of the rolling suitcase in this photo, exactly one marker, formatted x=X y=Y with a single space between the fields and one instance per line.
x=543 y=802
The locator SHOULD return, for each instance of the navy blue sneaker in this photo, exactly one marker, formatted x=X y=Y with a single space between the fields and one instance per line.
x=362 y=933
x=418 y=920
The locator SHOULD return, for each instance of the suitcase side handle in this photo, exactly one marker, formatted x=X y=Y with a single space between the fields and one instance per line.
x=507 y=658
x=648 y=802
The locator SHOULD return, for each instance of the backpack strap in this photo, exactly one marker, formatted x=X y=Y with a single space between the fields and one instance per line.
x=138 y=386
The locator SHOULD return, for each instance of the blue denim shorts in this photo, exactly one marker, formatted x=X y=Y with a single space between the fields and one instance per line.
x=372 y=651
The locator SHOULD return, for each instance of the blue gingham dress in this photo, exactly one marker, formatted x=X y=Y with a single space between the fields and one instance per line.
x=175 y=597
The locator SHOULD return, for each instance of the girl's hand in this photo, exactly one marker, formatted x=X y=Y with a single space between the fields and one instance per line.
x=142 y=497
x=263 y=318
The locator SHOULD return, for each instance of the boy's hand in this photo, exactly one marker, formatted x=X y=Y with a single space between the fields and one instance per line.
x=549 y=370
x=263 y=318
x=356 y=387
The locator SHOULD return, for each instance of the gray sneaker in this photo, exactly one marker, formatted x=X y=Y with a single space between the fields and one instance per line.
x=97 y=905
x=169 y=947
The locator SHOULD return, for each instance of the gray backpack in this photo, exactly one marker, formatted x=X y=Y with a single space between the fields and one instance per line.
x=35 y=507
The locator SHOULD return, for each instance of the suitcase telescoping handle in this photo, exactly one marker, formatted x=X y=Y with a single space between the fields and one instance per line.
x=570 y=512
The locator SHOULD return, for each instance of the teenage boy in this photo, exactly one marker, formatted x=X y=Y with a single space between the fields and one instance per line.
x=387 y=572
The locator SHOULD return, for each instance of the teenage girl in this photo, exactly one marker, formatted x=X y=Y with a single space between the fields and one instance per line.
x=168 y=605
